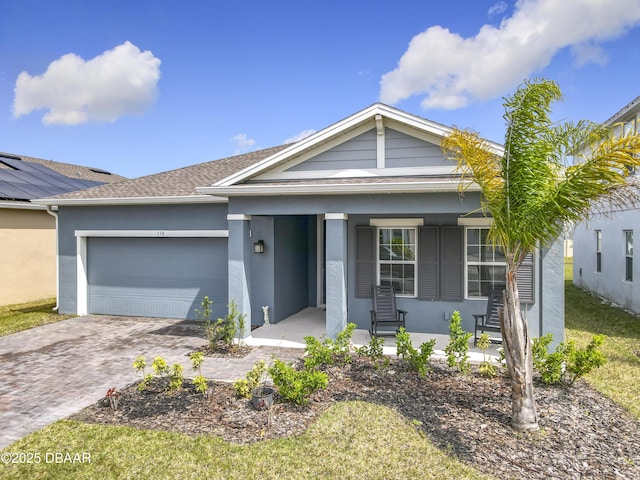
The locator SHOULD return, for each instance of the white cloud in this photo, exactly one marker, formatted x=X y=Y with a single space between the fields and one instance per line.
x=299 y=136
x=452 y=71
x=122 y=81
x=497 y=9
x=243 y=143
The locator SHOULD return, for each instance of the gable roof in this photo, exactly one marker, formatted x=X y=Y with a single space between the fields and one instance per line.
x=172 y=186
x=625 y=113
x=214 y=181
x=24 y=178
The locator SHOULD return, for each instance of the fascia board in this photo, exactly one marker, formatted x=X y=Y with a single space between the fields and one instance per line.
x=332 y=189
x=21 y=206
x=131 y=200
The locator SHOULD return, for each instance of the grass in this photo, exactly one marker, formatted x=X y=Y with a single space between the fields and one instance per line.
x=350 y=440
x=15 y=318
x=587 y=315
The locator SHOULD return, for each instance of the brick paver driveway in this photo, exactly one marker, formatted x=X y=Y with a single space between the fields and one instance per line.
x=52 y=371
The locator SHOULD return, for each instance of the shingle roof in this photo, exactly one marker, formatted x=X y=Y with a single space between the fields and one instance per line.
x=175 y=183
x=71 y=170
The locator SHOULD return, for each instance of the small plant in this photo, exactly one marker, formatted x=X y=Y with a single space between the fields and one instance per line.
x=296 y=386
x=160 y=366
x=567 y=363
x=114 y=398
x=223 y=330
x=418 y=360
x=458 y=346
x=329 y=352
x=486 y=368
x=176 y=377
x=253 y=378
x=140 y=365
x=373 y=350
x=200 y=383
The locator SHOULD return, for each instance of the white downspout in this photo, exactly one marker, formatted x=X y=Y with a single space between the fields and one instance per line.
x=55 y=215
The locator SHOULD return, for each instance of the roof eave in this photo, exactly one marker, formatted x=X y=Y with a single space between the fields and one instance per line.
x=131 y=200
x=332 y=189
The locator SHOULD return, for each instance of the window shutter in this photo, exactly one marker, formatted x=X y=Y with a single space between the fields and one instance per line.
x=452 y=261
x=525 y=279
x=428 y=263
x=365 y=260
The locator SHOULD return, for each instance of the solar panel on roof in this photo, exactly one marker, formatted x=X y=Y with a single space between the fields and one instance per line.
x=27 y=180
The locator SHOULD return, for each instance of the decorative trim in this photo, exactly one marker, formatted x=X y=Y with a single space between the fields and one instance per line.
x=396 y=222
x=153 y=233
x=475 y=221
x=436 y=171
x=336 y=216
x=238 y=216
x=380 y=142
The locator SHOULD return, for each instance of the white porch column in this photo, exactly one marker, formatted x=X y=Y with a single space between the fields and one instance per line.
x=240 y=250
x=336 y=273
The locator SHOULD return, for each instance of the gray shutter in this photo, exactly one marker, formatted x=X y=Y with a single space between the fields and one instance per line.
x=428 y=263
x=525 y=279
x=365 y=260
x=452 y=264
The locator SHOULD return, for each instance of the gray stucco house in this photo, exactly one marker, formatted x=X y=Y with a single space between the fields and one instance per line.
x=367 y=200
x=603 y=258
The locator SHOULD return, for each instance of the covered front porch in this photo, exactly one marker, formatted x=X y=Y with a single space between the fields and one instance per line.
x=290 y=333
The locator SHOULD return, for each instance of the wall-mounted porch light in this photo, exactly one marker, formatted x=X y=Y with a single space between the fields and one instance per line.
x=258 y=247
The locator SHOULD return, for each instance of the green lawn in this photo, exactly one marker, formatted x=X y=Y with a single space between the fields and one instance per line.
x=351 y=440
x=586 y=315
x=15 y=318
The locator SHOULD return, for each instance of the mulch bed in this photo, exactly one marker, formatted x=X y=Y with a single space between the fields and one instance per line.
x=583 y=433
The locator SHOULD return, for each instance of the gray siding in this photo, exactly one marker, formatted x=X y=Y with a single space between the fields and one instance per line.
x=153 y=217
x=359 y=152
x=402 y=150
x=610 y=282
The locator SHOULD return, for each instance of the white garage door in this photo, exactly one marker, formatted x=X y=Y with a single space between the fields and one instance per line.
x=156 y=277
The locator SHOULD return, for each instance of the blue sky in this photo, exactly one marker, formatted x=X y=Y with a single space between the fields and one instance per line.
x=139 y=87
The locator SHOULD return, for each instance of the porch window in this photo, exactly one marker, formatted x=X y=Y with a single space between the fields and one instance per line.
x=628 y=270
x=397 y=259
x=486 y=266
x=598 y=251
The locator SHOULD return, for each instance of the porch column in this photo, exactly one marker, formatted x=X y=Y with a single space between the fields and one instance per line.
x=336 y=273
x=240 y=250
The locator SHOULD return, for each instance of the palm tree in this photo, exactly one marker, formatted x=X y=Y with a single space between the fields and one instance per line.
x=530 y=193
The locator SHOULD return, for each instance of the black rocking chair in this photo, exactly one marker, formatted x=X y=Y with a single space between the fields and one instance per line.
x=384 y=311
x=489 y=321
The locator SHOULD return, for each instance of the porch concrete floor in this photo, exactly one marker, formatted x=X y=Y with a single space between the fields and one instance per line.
x=290 y=333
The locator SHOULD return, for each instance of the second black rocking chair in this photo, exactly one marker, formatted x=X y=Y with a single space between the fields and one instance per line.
x=384 y=311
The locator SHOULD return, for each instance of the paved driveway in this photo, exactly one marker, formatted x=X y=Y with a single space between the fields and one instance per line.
x=52 y=371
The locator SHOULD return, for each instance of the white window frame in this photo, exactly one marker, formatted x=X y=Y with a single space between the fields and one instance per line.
x=628 y=256
x=467 y=263
x=598 y=251
x=398 y=223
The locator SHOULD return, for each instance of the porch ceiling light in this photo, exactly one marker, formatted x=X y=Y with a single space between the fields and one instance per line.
x=258 y=247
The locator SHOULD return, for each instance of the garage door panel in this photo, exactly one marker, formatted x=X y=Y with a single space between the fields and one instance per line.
x=156 y=277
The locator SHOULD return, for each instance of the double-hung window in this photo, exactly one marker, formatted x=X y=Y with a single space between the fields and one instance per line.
x=486 y=266
x=628 y=256
x=397 y=259
x=598 y=251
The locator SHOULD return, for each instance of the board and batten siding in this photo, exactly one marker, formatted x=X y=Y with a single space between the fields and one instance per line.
x=402 y=150
x=357 y=153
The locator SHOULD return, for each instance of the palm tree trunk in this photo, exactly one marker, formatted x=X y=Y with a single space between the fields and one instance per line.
x=518 y=354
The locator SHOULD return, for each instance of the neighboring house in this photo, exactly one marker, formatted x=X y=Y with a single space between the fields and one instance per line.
x=27 y=231
x=368 y=200
x=603 y=257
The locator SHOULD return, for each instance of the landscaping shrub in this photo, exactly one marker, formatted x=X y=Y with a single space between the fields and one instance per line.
x=296 y=386
x=329 y=352
x=458 y=346
x=417 y=360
